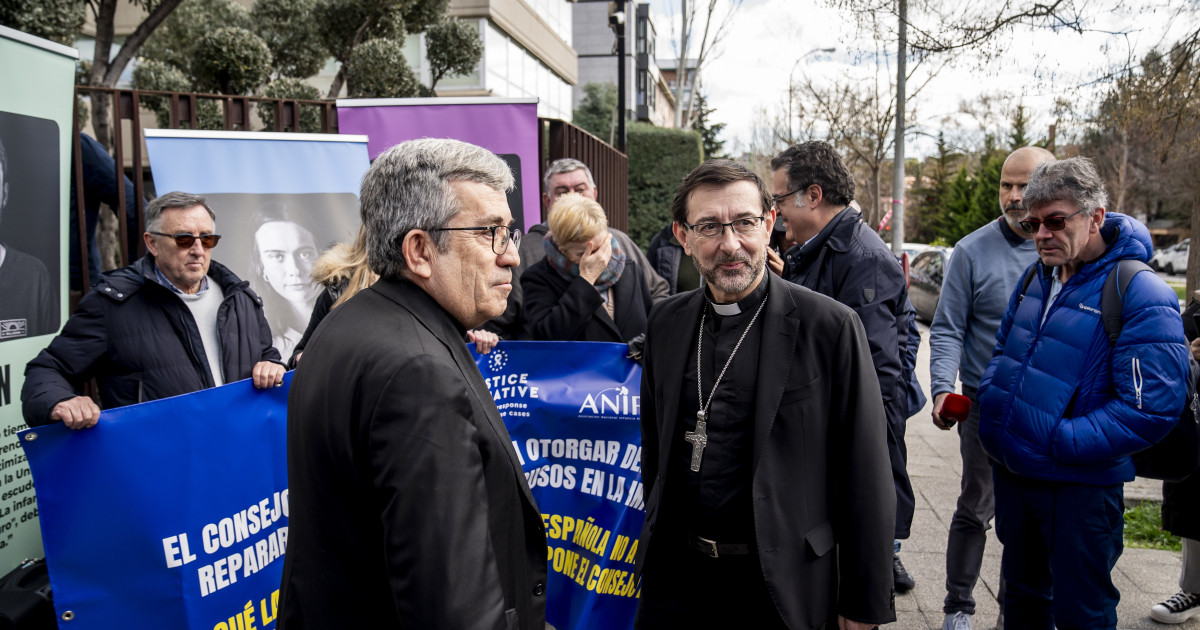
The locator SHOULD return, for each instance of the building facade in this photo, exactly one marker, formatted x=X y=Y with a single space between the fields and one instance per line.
x=527 y=52
x=646 y=96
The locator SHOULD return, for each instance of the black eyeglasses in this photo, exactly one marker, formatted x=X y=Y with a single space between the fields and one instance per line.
x=739 y=226
x=185 y=240
x=502 y=235
x=1054 y=224
x=775 y=199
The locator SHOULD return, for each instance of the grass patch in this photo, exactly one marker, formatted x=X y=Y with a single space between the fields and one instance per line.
x=1143 y=528
x=1180 y=290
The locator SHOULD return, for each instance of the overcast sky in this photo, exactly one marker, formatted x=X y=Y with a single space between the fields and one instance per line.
x=768 y=37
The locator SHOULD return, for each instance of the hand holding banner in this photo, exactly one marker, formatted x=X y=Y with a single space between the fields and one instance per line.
x=167 y=514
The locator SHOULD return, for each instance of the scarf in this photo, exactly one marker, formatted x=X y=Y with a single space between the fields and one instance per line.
x=559 y=262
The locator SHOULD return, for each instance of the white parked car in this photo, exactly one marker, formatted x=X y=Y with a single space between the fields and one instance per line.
x=1173 y=259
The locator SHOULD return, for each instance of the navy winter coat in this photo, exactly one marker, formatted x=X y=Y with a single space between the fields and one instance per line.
x=140 y=342
x=848 y=262
x=1059 y=402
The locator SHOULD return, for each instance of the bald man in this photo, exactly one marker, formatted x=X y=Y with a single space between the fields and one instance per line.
x=985 y=268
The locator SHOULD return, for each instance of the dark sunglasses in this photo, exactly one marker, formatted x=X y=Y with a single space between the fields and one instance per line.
x=1054 y=224
x=185 y=240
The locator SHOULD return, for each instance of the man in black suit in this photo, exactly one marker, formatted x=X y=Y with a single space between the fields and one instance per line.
x=769 y=500
x=408 y=505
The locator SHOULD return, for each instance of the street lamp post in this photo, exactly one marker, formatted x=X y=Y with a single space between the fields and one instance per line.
x=791 y=88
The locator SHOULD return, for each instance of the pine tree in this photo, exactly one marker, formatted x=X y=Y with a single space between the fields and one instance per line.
x=709 y=133
x=595 y=112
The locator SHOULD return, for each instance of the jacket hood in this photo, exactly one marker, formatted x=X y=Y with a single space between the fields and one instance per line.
x=1126 y=238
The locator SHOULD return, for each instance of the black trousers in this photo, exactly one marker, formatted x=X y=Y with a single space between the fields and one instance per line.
x=682 y=588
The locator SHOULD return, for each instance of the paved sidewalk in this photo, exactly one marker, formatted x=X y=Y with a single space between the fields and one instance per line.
x=1144 y=577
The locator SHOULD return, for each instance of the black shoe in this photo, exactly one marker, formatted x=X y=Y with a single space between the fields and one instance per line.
x=1181 y=607
x=904 y=581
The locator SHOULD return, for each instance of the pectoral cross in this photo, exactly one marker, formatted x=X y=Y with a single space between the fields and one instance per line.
x=698 y=439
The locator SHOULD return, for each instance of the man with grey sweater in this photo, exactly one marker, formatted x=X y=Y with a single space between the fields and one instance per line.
x=986 y=266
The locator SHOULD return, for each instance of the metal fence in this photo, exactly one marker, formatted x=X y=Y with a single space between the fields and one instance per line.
x=183 y=110
x=610 y=167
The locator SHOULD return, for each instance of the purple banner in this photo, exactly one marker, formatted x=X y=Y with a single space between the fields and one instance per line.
x=506 y=127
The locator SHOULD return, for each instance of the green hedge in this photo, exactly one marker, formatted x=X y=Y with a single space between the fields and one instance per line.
x=658 y=159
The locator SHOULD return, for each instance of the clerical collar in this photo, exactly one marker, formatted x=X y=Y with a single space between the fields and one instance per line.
x=746 y=304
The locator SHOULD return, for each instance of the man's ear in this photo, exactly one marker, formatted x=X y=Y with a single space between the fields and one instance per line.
x=814 y=195
x=150 y=245
x=418 y=250
x=1098 y=218
x=681 y=234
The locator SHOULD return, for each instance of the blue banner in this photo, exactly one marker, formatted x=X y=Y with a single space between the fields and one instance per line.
x=167 y=514
x=572 y=409
x=174 y=513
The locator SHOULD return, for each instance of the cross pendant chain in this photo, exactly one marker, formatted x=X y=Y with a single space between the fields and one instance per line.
x=698 y=440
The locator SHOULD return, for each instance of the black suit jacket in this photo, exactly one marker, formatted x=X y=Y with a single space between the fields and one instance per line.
x=558 y=309
x=408 y=507
x=824 y=503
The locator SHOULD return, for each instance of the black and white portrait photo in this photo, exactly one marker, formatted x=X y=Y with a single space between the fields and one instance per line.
x=29 y=226
x=272 y=241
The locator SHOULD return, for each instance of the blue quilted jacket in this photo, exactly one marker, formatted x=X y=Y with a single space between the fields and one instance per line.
x=1058 y=401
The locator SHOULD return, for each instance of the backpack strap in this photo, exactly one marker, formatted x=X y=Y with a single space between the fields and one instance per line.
x=1030 y=273
x=1112 y=300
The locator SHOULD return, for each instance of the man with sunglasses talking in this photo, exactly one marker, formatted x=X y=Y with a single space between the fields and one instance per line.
x=172 y=323
x=1063 y=407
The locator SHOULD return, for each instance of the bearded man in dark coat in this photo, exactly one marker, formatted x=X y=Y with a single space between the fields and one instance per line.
x=769 y=499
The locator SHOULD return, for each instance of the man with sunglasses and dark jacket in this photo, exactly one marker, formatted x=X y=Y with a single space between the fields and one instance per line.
x=172 y=323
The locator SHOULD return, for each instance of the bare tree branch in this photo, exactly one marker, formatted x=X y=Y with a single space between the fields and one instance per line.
x=711 y=36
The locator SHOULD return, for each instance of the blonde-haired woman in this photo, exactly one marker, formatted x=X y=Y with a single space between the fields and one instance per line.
x=587 y=288
x=343 y=271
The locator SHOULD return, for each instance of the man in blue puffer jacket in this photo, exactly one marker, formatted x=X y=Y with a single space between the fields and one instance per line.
x=1062 y=408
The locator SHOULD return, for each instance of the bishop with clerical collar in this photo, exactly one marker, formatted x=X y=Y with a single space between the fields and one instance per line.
x=769 y=501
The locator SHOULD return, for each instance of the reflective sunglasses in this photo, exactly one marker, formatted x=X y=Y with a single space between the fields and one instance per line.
x=1054 y=224
x=185 y=240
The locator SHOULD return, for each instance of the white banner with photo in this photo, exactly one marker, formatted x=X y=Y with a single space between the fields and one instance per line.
x=280 y=200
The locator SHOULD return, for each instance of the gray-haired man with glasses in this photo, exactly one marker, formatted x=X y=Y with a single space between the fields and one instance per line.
x=408 y=505
x=172 y=323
